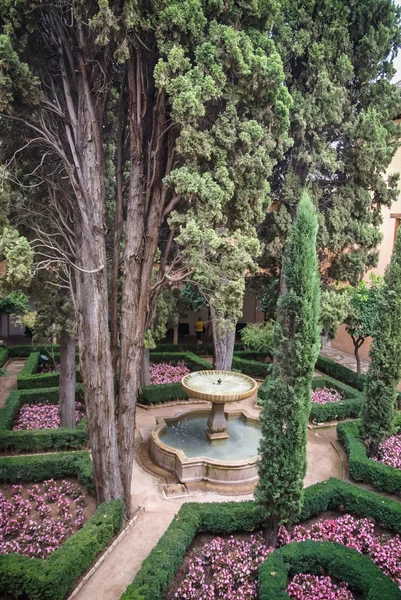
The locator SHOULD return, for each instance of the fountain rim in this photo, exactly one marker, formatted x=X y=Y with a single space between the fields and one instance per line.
x=163 y=422
x=222 y=398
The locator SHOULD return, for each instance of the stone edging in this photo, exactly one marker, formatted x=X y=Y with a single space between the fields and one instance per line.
x=110 y=549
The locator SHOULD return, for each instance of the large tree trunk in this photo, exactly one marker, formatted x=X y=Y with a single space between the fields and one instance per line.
x=67 y=380
x=271 y=532
x=223 y=340
x=145 y=369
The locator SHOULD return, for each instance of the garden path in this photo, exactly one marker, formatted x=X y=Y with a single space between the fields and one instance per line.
x=345 y=359
x=8 y=383
x=121 y=565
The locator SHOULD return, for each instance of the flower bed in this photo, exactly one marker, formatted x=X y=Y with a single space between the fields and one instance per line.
x=43 y=416
x=325 y=395
x=307 y=587
x=390 y=452
x=229 y=568
x=167 y=373
x=36 y=520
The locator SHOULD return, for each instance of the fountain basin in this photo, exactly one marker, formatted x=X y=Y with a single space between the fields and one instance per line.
x=211 y=463
x=234 y=387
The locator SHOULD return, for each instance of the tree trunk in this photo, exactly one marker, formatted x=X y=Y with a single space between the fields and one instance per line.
x=271 y=532
x=358 y=359
x=145 y=369
x=223 y=340
x=67 y=380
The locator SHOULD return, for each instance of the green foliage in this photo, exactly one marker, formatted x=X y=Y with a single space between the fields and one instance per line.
x=3 y=356
x=159 y=568
x=287 y=402
x=363 y=300
x=338 y=69
x=382 y=477
x=349 y=407
x=340 y=372
x=251 y=367
x=345 y=564
x=335 y=305
x=16 y=302
x=18 y=253
x=28 y=379
x=193 y=297
x=385 y=366
x=25 y=350
x=37 y=440
x=55 y=313
x=258 y=337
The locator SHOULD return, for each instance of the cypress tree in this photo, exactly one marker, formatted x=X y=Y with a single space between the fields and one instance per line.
x=285 y=411
x=385 y=367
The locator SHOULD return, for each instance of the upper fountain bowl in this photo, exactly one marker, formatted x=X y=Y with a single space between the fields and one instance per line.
x=219 y=387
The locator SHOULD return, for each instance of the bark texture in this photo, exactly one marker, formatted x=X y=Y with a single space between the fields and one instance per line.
x=67 y=380
x=145 y=369
x=223 y=340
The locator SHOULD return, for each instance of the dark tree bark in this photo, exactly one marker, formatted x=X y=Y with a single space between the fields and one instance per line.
x=223 y=340
x=271 y=532
x=145 y=369
x=67 y=380
x=358 y=342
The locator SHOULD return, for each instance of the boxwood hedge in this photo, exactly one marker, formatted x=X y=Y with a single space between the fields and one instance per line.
x=53 y=578
x=28 y=378
x=346 y=564
x=362 y=468
x=3 y=356
x=349 y=407
x=38 y=439
x=159 y=568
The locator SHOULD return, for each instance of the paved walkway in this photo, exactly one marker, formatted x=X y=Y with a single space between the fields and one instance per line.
x=120 y=566
x=347 y=360
x=8 y=383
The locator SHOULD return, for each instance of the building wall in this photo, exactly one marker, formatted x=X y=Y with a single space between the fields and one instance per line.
x=343 y=341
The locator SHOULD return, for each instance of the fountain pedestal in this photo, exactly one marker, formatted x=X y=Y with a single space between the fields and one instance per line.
x=217 y=423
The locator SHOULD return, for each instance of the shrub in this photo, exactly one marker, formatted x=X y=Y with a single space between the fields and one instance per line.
x=159 y=568
x=344 y=563
x=349 y=407
x=259 y=337
x=251 y=368
x=339 y=372
x=361 y=468
x=24 y=351
x=194 y=363
x=38 y=439
x=3 y=356
x=163 y=392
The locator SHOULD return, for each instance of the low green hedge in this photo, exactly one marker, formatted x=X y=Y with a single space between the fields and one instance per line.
x=159 y=568
x=349 y=407
x=339 y=372
x=38 y=439
x=251 y=367
x=202 y=349
x=29 y=379
x=24 y=350
x=346 y=564
x=53 y=578
x=3 y=356
x=163 y=392
x=194 y=363
x=361 y=468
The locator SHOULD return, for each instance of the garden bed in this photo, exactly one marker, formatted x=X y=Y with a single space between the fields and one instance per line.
x=54 y=577
x=383 y=477
x=159 y=568
x=30 y=378
x=33 y=439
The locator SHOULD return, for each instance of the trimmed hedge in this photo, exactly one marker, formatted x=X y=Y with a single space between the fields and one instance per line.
x=194 y=363
x=346 y=564
x=361 y=468
x=38 y=439
x=251 y=367
x=159 y=568
x=28 y=379
x=349 y=407
x=163 y=392
x=202 y=349
x=54 y=577
x=3 y=356
x=337 y=371
x=24 y=350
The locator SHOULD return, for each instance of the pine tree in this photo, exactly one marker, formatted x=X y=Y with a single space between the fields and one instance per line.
x=385 y=367
x=285 y=411
x=337 y=57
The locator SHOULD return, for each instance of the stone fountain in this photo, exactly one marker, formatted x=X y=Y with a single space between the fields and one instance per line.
x=219 y=388
x=205 y=445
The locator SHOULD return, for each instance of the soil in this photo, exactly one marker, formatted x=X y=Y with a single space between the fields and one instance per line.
x=195 y=550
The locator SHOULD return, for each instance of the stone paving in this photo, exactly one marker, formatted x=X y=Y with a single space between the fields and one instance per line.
x=347 y=360
x=9 y=382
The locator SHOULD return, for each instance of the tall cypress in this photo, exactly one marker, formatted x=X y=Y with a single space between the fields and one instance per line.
x=385 y=367
x=286 y=407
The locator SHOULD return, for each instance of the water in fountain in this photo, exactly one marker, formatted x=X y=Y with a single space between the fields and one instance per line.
x=189 y=436
x=230 y=383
